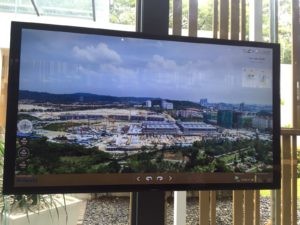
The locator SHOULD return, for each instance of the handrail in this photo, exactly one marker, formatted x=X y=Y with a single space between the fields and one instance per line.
x=290 y=131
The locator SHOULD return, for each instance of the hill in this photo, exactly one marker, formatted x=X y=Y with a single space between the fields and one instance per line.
x=87 y=98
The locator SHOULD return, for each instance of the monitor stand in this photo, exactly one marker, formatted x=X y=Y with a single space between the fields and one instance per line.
x=148 y=208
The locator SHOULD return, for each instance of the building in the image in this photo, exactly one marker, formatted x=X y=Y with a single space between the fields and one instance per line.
x=155 y=118
x=119 y=117
x=204 y=102
x=262 y=123
x=137 y=118
x=159 y=127
x=166 y=105
x=225 y=118
x=237 y=120
x=210 y=117
x=242 y=107
x=148 y=104
x=69 y=116
x=188 y=113
x=196 y=128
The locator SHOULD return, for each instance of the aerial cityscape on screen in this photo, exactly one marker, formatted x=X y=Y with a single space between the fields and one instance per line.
x=103 y=104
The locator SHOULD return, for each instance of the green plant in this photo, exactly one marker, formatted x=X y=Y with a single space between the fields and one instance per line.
x=27 y=204
x=2 y=200
x=1 y=168
x=32 y=203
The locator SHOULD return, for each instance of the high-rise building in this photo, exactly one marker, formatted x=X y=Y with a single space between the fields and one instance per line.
x=237 y=121
x=166 y=105
x=242 y=107
x=204 y=102
x=210 y=117
x=148 y=104
x=225 y=118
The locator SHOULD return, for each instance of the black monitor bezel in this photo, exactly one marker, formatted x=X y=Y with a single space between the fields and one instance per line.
x=12 y=104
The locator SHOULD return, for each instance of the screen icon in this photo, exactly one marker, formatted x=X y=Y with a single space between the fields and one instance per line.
x=23 y=152
x=236 y=178
x=25 y=126
x=22 y=165
x=149 y=178
x=159 y=178
x=23 y=141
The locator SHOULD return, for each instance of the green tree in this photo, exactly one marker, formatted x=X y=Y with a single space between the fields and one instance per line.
x=285 y=30
x=114 y=166
x=220 y=166
x=123 y=12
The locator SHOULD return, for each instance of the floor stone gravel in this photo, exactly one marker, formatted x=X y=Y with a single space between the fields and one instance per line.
x=107 y=211
x=115 y=211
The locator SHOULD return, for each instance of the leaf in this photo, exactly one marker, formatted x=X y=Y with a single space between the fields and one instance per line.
x=65 y=206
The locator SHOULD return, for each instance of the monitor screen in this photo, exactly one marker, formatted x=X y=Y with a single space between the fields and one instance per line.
x=99 y=110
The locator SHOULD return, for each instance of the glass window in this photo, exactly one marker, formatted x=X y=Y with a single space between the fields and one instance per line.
x=73 y=8
x=100 y=12
x=107 y=14
x=16 y=6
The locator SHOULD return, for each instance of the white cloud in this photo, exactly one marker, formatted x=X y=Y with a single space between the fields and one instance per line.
x=116 y=70
x=160 y=63
x=85 y=71
x=98 y=53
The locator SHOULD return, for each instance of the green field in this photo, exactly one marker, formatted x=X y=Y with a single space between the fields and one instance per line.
x=60 y=126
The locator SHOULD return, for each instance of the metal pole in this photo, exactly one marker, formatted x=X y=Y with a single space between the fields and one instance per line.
x=274 y=21
x=148 y=207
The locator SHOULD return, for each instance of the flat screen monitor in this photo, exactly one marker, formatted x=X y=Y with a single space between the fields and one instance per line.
x=98 y=110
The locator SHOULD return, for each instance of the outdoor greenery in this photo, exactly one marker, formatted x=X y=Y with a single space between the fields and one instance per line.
x=123 y=12
x=1 y=171
x=203 y=156
x=60 y=126
x=31 y=203
x=285 y=30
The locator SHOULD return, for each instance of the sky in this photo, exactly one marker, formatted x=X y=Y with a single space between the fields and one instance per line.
x=61 y=62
